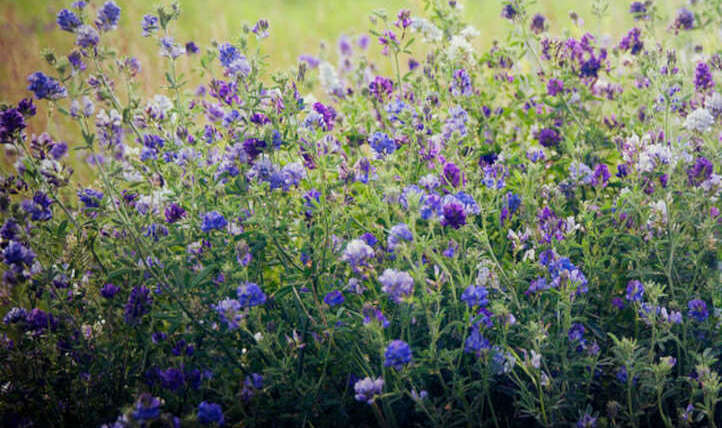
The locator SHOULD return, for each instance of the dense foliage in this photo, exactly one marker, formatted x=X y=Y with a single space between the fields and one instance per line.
x=523 y=237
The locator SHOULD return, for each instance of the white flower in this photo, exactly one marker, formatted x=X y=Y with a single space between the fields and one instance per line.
x=699 y=120
x=459 y=48
x=329 y=78
x=469 y=33
x=714 y=104
x=429 y=31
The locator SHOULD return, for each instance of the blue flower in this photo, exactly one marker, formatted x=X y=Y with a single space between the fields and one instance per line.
x=213 y=220
x=399 y=233
x=397 y=354
x=475 y=295
x=476 y=342
x=698 y=310
x=382 y=144
x=45 y=87
x=90 y=197
x=250 y=294
x=108 y=16
x=635 y=291
x=209 y=413
x=334 y=298
x=87 y=36
x=68 y=20
x=146 y=408
x=38 y=207
x=453 y=215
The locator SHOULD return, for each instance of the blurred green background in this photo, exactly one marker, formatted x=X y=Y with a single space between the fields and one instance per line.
x=296 y=27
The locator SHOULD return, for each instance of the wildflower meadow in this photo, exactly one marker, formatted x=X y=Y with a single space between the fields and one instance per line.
x=401 y=229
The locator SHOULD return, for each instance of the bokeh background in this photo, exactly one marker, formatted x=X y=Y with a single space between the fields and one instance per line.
x=27 y=27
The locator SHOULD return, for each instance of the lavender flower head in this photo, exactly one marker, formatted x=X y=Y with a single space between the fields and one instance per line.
x=367 y=389
x=230 y=312
x=45 y=87
x=213 y=220
x=357 y=252
x=475 y=295
x=398 y=235
x=209 y=413
x=108 y=16
x=138 y=304
x=334 y=298
x=635 y=291
x=396 y=284
x=146 y=408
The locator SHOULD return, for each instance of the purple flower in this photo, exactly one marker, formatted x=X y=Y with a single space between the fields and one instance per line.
x=508 y=12
x=538 y=23
x=587 y=421
x=91 y=198
x=684 y=20
x=380 y=87
x=618 y=303
x=15 y=315
x=87 y=36
x=209 y=413
x=16 y=254
x=328 y=113
x=452 y=174
x=554 y=86
x=146 y=408
x=549 y=137
x=9 y=230
x=108 y=16
x=475 y=342
x=250 y=294
x=635 y=291
x=45 y=87
x=334 y=298
x=68 y=20
x=576 y=334
x=700 y=171
x=703 y=77
x=453 y=215
x=357 y=252
x=631 y=42
x=396 y=284
x=38 y=207
x=174 y=212
x=475 y=295
x=461 y=85
x=138 y=304
x=109 y=290
x=698 y=310
x=172 y=378
x=191 y=48
x=397 y=354
x=260 y=29
x=367 y=389
x=11 y=122
x=382 y=144
x=230 y=312
x=601 y=175
x=213 y=220
x=398 y=234
x=150 y=25
x=638 y=8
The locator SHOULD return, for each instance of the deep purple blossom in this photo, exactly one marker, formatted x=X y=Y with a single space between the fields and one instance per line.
x=700 y=171
x=109 y=290
x=138 y=304
x=398 y=234
x=684 y=19
x=87 y=37
x=549 y=137
x=146 y=408
x=703 y=77
x=631 y=42
x=174 y=212
x=230 y=312
x=381 y=87
x=453 y=215
x=38 y=207
x=382 y=144
x=554 y=86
